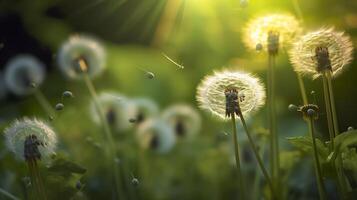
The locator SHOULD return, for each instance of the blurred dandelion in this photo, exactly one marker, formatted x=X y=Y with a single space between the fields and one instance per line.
x=22 y=73
x=211 y=96
x=31 y=140
x=306 y=54
x=228 y=94
x=156 y=135
x=184 y=119
x=116 y=109
x=283 y=27
x=79 y=48
x=143 y=108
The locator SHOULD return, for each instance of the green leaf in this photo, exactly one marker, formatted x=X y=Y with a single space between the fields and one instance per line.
x=304 y=144
x=65 y=167
x=349 y=159
x=345 y=139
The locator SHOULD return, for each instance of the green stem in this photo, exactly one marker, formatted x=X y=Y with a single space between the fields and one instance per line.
x=111 y=146
x=302 y=89
x=257 y=156
x=318 y=171
x=45 y=104
x=236 y=151
x=272 y=122
x=328 y=112
x=256 y=185
x=36 y=179
x=7 y=194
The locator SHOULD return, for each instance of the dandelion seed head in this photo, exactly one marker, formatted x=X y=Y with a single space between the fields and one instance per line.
x=81 y=48
x=156 y=135
x=22 y=72
x=211 y=92
x=339 y=51
x=115 y=107
x=19 y=131
x=257 y=30
x=184 y=119
x=143 y=108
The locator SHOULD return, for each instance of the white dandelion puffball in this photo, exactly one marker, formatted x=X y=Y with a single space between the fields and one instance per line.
x=184 y=119
x=3 y=89
x=17 y=133
x=144 y=108
x=115 y=107
x=156 y=135
x=22 y=72
x=257 y=30
x=81 y=47
x=303 y=53
x=211 y=92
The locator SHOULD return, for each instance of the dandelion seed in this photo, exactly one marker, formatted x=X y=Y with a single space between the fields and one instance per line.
x=211 y=92
x=156 y=135
x=283 y=27
x=67 y=94
x=115 y=111
x=324 y=49
x=149 y=75
x=184 y=119
x=172 y=61
x=30 y=139
x=22 y=73
x=350 y=128
x=81 y=54
x=142 y=109
x=135 y=182
x=59 y=106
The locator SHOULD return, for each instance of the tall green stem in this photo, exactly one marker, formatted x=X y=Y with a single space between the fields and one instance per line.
x=42 y=100
x=318 y=171
x=274 y=142
x=328 y=112
x=36 y=179
x=257 y=156
x=111 y=146
x=8 y=195
x=236 y=151
x=302 y=89
x=257 y=177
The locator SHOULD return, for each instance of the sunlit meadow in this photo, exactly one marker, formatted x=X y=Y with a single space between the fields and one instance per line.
x=178 y=99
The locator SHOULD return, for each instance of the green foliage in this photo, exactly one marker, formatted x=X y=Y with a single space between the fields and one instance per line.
x=304 y=144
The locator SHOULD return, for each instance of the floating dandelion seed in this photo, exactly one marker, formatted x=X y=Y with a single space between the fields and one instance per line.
x=116 y=109
x=156 y=135
x=142 y=109
x=79 y=49
x=175 y=63
x=59 y=106
x=184 y=119
x=22 y=73
x=30 y=138
x=257 y=31
x=148 y=74
x=211 y=92
x=67 y=94
x=320 y=50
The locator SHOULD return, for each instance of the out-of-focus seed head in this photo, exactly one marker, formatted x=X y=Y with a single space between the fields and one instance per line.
x=156 y=135
x=115 y=107
x=211 y=94
x=30 y=139
x=324 y=49
x=81 y=54
x=184 y=119
x=271 y=31
x=143 y=108
x=22 y=73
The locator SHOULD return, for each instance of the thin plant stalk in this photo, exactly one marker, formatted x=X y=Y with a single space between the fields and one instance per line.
x=36 y=179
x=237 y=158
x=257 y=177
x=274 y=142
x=302 y=89
x=298 y=10
x=328 y=112
x=8 y=194
x=257 y=156
x=45 y=104
x=318 y=171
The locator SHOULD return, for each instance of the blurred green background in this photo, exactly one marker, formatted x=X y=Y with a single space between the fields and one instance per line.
x=203 y=35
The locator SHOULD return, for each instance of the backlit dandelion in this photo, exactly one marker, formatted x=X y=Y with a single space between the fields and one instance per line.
x=116 y=109
x=184 y=119
x=211 y=92
x=143 y=108
x=307 y=53
x=156 y=135
x=23 y=73
x=271 y=31
x=79 y=49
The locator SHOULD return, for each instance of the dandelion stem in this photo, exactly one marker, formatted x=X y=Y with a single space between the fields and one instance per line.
x=257 y=156
x=328 y=112
x=36 y=179
x=274 y=142
x=302 y=89
x=111 y=146
x=298 y=10
x=45 y=104
x=236 y=151
x=319 y=177
x=257 y=177
x=7 y=194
